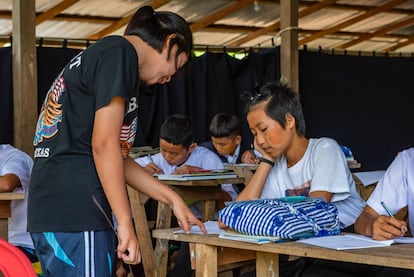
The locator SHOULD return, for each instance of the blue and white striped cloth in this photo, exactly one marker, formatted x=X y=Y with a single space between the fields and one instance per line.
x=281 y=218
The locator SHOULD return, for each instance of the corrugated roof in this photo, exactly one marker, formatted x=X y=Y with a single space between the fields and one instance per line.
x=354 y=25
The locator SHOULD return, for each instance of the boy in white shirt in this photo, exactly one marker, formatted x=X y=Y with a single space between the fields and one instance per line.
x=179 y=154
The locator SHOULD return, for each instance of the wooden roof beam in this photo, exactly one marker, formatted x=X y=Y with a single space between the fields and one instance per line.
x=276 y=25
x=208 y=20
x=384 y=8
x=49 y=14
x=388 y=28
x=124 y=21
x=400 y=45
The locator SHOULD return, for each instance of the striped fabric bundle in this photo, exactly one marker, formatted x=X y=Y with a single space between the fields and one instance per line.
x=281 y=218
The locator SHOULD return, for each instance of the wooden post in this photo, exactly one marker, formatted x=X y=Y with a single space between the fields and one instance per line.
x=24 y=74
x=289 y=55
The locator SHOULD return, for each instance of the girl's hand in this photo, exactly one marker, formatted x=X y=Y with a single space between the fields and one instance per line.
x=185 y=217
x=128 y=247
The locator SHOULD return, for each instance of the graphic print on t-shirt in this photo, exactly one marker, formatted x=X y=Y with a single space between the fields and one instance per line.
x=302 y=190
x=51 y=112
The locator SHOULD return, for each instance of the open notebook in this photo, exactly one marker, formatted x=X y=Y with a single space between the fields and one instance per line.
x=199 y=175
x=353 y=241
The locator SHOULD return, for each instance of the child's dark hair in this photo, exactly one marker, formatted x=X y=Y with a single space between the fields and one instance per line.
x=224 y=125
x=178 y=130
x=278 y=101
x=154 y=28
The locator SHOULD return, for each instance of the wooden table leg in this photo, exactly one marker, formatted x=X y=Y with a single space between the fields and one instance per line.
x=161 y=246
x=209 y=210
x=267 y=264
x=206 y=260
x=5 y=213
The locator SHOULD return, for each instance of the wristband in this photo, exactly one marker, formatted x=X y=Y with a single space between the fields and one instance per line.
x=263 y=160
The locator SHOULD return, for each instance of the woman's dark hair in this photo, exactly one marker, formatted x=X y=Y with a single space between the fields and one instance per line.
x=279 y=100
x=154 y=28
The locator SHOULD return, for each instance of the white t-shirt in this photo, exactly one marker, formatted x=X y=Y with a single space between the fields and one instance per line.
x=396 y=187
x=200 y=157
x=323 y=167
x=13 y=160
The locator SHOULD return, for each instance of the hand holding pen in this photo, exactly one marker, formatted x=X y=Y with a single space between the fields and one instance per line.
x=152 y=168
x=395 y=223
x=249 y=156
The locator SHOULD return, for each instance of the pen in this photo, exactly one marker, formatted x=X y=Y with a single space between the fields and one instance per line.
x=150 y=158
x=403 y=230
x=386 y=209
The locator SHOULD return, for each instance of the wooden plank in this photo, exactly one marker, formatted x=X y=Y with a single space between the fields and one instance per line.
x=4 y=228
x=5 y=210
x=267 y=264
x=289 y=53
x=143 y=233
x=397 y=255
x=190 y=193
x=206 y=261
x=11 y=196
x=24 y=74
x=161 y=247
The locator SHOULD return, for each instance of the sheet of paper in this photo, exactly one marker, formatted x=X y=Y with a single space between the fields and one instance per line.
x=211 y=226
x=353 y=241
x=342 y=242
x=369 y=177
x=189 y=177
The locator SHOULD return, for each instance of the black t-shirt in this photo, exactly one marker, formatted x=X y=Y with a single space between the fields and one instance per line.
x=64 y=176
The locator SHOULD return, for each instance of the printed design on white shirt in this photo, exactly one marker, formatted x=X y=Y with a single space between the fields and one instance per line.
x=302 y=190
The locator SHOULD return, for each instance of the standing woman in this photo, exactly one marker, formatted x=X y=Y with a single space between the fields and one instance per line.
x=84 y=132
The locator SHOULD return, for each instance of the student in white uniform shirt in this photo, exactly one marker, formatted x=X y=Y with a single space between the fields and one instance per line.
x=396 y=190
x=292 y=164
x=179 y=154
x=15 y=170
x=227 y=142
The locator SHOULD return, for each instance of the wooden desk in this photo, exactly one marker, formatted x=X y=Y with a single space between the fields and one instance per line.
x=209 y=247
x=207 y=191
x=5 y=210
x=155 y=260
x=245 y=171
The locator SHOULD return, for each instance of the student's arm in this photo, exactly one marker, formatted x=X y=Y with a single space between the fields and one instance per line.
x=140 y=180
x=327 y=196
x=9 y=182
x=255 y=187
x=379 y=227
x=110 y=168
